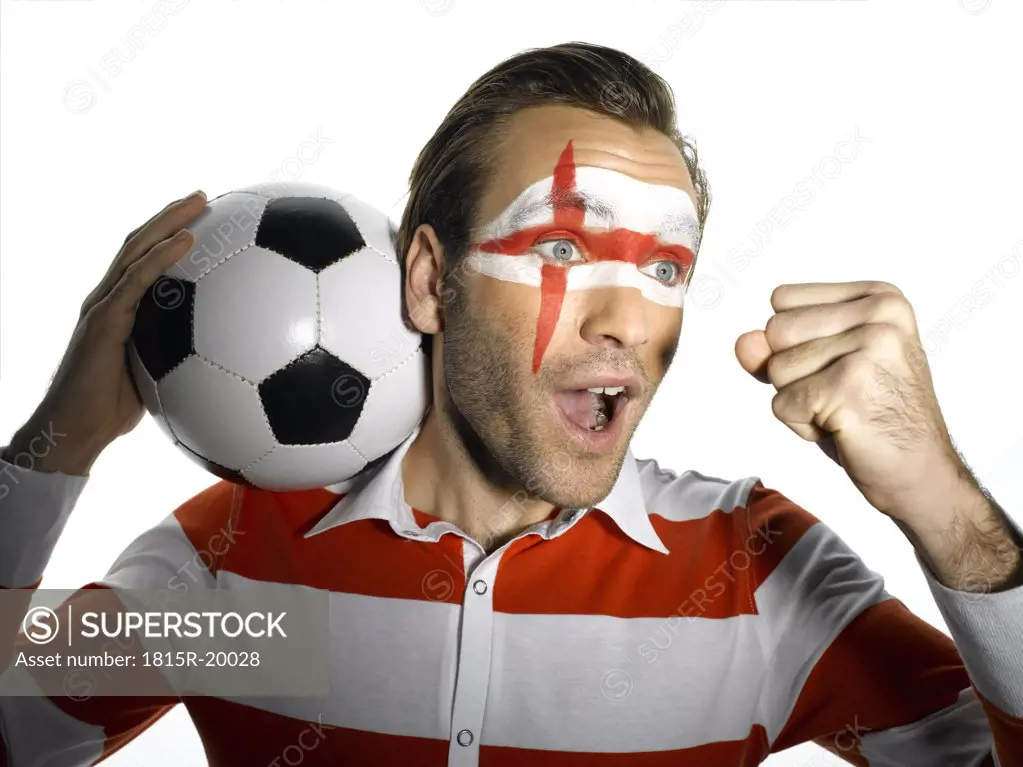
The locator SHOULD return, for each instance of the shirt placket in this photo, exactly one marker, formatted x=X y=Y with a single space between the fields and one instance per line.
x=476 y=638
x=474 y=656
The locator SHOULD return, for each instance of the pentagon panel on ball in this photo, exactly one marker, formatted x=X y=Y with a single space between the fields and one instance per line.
x=275 y=354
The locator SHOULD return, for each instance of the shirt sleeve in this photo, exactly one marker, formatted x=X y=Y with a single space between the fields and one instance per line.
x=855 y=671
x=77 y=729
x=988 y=633
x=34 y=508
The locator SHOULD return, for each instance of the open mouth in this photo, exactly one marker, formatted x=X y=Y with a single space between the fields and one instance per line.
x=592 y=408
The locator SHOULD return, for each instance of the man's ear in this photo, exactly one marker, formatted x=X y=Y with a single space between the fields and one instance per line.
x=424 y=267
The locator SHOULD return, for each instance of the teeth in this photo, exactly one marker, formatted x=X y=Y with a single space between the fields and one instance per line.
x=606 y=389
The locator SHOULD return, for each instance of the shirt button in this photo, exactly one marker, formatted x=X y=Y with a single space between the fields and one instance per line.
x=480 y=587
x=464 y=738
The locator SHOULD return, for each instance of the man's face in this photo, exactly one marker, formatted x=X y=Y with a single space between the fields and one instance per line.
x=578 y=265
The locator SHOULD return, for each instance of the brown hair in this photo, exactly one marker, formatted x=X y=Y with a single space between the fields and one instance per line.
x=448 y=176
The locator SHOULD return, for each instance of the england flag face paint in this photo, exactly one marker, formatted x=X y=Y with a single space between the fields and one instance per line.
x=589 y=228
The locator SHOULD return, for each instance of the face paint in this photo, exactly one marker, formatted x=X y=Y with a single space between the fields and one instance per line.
x=624 y=231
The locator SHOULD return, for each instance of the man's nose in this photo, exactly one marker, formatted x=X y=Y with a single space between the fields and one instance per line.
x=615 y=317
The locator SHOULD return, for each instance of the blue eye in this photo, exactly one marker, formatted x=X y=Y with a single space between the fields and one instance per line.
x=562 y=250
x=667 y=272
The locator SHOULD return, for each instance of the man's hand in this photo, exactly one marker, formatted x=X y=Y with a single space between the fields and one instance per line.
x=851 y=375
x=92 y=399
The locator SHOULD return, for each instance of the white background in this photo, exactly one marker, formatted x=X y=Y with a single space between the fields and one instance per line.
x=111 y=110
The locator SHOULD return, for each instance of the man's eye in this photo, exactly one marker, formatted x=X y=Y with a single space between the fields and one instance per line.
x=564 y=251
x=668 y=272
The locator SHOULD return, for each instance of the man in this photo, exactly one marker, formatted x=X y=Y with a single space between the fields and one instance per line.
x=512 y=586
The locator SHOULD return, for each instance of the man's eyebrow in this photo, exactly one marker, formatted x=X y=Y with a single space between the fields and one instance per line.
x=678 y=222
x=682 y=223
x=575 y=199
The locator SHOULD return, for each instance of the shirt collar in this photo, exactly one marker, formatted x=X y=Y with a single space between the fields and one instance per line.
x=381 y=495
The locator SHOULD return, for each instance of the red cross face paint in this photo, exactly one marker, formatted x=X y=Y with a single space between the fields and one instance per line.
x=588 y=228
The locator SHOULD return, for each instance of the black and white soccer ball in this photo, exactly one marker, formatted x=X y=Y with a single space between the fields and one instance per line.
x=274 y=353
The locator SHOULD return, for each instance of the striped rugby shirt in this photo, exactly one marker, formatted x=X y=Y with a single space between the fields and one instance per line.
x=684 y=620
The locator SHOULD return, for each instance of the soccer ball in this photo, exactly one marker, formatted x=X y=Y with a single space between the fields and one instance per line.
x=274 y=353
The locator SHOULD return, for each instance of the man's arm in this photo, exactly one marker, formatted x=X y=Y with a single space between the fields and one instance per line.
x=91 y=401
x=853 y=670
x=971 y=556
x=34 y=507
x=962 y=537
x=80 y=728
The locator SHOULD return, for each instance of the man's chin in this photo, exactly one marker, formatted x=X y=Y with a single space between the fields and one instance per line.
x=578 y=481
x=580 y=498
